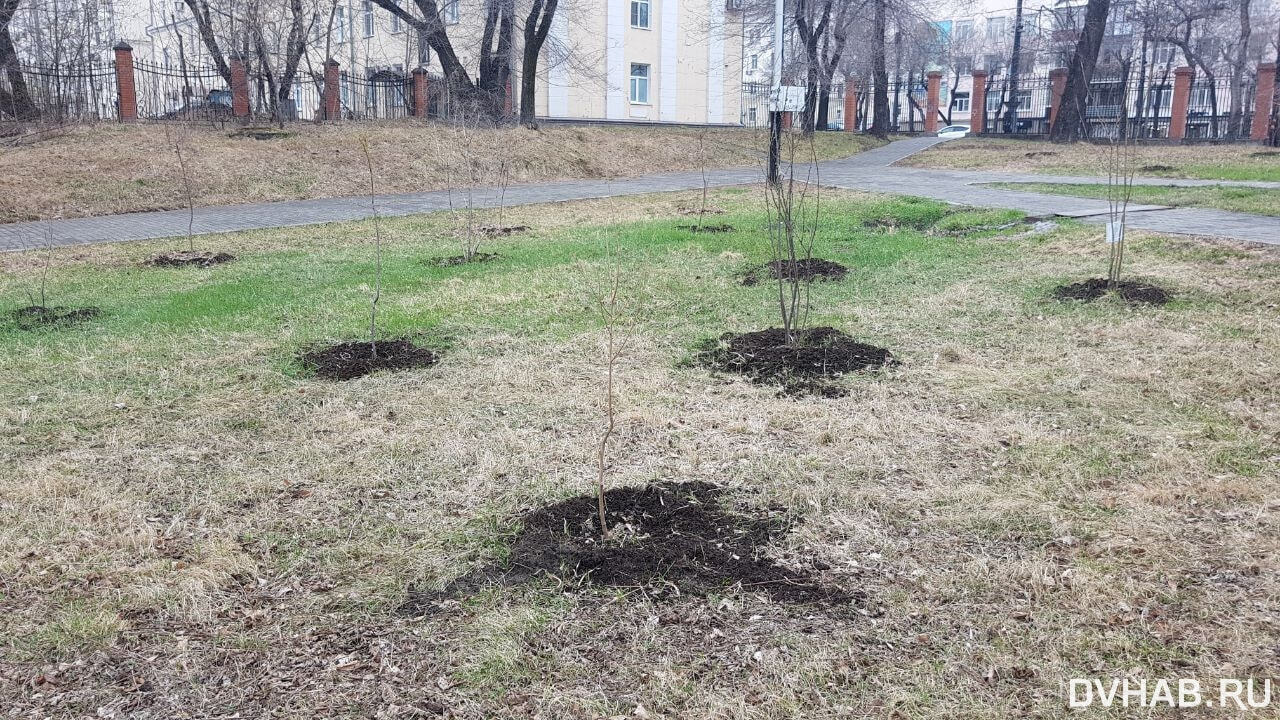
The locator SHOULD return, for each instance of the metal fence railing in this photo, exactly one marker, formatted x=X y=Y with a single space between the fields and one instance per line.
x=57 y=96
x=181 y=92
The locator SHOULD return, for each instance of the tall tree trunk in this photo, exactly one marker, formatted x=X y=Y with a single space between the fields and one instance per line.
x=536 y=27
x=1011 y=109
x=15 y=102
x=880 y=75
x=1236 y=124
x=1070 y=119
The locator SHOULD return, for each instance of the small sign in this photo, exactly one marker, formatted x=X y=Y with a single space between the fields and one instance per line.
x=790 y=98
x=1115 y=232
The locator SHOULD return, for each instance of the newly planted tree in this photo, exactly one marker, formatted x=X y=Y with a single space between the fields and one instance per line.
x=377 y=251
x=175 y=139
x=39 y=313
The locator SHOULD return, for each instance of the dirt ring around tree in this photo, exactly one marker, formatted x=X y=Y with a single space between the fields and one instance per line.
x=34 y=317
x=1094 y=288
x=189 y=259
x=808 y=269
x=350 y=360
x=669 y=539
x=807 y=366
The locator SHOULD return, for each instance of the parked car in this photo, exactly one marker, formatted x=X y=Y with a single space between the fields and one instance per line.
x=215 y=105
x=952 y=132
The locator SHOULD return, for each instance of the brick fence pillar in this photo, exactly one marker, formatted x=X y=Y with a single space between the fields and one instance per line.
x=1263 y=101
x=934 y=87
x=850 y=104
x=420 y=92
x=332 y=92
x=126 y=92
x=1057 y=87
x=1181 y=99
x=239 y=88
x=978 y=103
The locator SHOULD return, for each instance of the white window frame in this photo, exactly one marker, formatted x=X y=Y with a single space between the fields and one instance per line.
x=1023 y=101
x=963 y=30
x=960 y=102
x=397 y=25
x=639 y=86
x=340 y=24
x=994 y=102
x=366 y=18
x=450 y=13
x=640 y=15
x=996 y=28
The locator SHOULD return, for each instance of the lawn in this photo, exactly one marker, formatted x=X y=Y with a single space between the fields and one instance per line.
x=109 y=168
x=1261 y=201
x=190 y=525
x=1209 y=162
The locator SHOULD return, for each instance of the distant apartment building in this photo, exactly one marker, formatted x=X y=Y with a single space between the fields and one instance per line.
x=677 y=61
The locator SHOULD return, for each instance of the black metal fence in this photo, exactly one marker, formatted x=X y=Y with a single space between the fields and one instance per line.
x=181 y=92
x=57 y=96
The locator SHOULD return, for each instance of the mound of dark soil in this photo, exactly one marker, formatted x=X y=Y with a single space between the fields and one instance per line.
x=1095 y=288
x=1265 y=154
x=723 y=228
x=681 y=535
x=702 y=211
x=186 y=258
x=38 y=316
x=501 y=230
x=807 y=269
x=349 y=360
x=263 y=133
x=1042 y=153
x=805 y=367
x=454 y=260
x=1157 y=168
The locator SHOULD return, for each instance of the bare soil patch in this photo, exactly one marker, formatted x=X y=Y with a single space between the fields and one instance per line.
x=34 y=317
x=350 y=360
x=187 y=259
x=455 y=260
x=807 y=269
x=1158 y=167
x=805 y=367
x=1042 y=153
x=721 y=228
x=1094 y=288
x=668 y=539
x=501 y=230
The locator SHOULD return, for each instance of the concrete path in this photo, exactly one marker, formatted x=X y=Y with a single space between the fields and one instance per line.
x=871 y=170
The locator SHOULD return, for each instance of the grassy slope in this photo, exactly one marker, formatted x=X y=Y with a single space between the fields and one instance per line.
x=1041 y=491
x=1210 y=162
x=1240 y=199
x=118 y=168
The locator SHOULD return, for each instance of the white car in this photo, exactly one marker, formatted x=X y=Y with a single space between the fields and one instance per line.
x=952 y=132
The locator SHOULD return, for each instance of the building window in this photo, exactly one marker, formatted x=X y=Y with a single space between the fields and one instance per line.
x=367 y=18
x=424 y=50
x=639 y=83
x=1163 y=54
x=1024 y=101
x=960 y=102
x=751 y=116
x=964 y=65
x=964 y=30
x=396 y=23
x=994 y=102
x=450 y=12
x=640 y=13
x=995 y=29
x=340 y=24
x=755 y=62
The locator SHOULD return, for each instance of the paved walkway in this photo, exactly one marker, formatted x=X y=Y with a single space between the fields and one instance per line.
x=871 y=170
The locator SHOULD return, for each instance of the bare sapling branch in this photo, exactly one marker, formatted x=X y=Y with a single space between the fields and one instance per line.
x=44 y=266
x=792 y=223
x=1121 y=153
x=616 y=340
x=175 y=141
x=377 y=244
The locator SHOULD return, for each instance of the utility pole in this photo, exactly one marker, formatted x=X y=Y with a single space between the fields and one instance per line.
x=775 y=109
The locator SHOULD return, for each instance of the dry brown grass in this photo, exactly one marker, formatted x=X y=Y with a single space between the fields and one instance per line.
x=1039 y=492
x=105 y=169
x=1215 y=162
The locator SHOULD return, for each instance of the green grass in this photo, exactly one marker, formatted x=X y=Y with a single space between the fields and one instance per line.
x=180 y=500
x=1261 y=201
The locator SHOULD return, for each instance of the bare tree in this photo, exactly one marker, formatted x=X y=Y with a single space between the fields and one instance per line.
x=792 y=225
x=377 y=235
x=174 y=140
x=1120 y=172
x=16 y=100
x=537 y=24
x=1069 y=122
x=609 y=316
